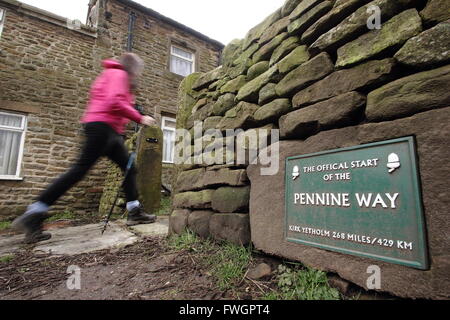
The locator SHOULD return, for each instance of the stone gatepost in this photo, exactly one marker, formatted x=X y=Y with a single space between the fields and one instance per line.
x=149 y=166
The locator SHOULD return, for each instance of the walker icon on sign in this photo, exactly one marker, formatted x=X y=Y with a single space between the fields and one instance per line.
x=393 y=162
x=295 y=173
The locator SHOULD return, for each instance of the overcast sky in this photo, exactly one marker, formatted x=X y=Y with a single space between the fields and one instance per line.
x=222 y=20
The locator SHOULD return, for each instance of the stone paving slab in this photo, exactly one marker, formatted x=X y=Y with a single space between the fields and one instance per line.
x=87 y=238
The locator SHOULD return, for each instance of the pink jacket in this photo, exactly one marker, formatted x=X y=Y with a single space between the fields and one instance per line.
x=110 y=99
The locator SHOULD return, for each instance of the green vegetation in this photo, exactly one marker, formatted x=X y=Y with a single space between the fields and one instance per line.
x=5 y=225
x=185 y=241
x=66 y=215
x=7 y=258
x=165 y=207
x=228 y=264
x=299 y=283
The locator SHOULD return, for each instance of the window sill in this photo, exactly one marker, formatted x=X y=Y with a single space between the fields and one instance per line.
x=6 y=178
x=174 y=76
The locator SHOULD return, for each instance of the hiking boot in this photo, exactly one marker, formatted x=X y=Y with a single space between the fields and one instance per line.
x=138 y=216
x=31 y=225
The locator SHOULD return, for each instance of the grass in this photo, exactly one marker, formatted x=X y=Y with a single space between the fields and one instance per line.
x=5 y=225
x=300 y=283
x=165 y=206
x=66 y=215
x=185 y=241
x=228 y=264
x=7 y=258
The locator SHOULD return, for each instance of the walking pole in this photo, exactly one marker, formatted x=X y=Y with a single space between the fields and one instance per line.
x=127 y=170
x=129 y=165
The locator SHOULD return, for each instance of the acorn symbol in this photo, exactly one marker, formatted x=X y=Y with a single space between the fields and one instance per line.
x=295 y=173
x=393 y=162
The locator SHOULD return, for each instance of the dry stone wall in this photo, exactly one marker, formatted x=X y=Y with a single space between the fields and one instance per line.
x=325 y=75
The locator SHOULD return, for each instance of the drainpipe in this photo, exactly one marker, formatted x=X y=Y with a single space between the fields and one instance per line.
x=131 y=21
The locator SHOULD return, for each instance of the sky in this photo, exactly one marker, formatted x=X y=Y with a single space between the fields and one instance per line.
x=221 y=20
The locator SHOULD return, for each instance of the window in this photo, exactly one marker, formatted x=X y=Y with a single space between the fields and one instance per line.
x=2 y=19
x=182 y=62
x=168 y=126
x=12 y=137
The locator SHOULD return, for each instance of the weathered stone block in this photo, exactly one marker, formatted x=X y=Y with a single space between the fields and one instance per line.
x=436 y=11
x=256 y=70
x=244 y=58
x=302 y=8
x=211 y=122
x=431 y=47
x=223 y=104
x=193 y=200
x=178 y=221
x=313 y=70
x=190 y=180
x=231 y=52
x=337 y=111
x=266 y=51
x=356 y=24
x=198 y=221
x=409 y=95
x=274 y=30
x=256 y=32
x=339 y=12
x=267 y=94
x=289 y=6
x=234 y=85
x=200 y=115
x=206 y=79
x=249 y=92
x=357 y=78
x=240 y=116
x=297 y=57
x=186 y=99
x=231 y=199
x=299 y=25
x=431 y=132
x=232 y=227
x=200 y=103
x=239 y=70
x=285 y=47
x=225 y=176
x=393 y=33
x=272 y=111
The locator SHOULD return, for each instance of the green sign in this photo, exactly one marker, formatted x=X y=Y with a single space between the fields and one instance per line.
x=363 y=200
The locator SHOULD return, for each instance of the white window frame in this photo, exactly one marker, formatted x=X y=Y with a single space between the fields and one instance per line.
x=2 y=19
x=172 y=53
x=23 y=130
x=164 y=127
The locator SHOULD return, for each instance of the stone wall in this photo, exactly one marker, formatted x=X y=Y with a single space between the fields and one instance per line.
x=315 y=70
x=46 y=70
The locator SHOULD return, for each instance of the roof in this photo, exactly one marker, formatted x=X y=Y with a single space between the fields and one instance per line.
x=172 y=22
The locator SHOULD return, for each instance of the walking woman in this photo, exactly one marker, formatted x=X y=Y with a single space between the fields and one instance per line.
x=109 y=109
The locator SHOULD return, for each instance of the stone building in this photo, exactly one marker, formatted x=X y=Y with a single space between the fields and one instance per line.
x=327 y=77
x=47 y=65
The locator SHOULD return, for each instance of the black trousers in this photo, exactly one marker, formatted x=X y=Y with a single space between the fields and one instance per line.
x=101 y=140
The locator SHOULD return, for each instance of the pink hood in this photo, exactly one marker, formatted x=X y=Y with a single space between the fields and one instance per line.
x=110 y=99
